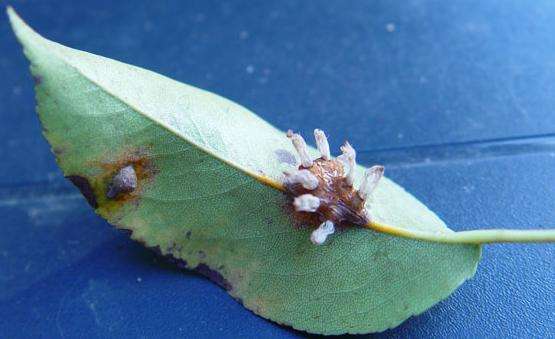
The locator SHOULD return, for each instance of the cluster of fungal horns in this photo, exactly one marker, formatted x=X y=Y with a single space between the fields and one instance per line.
x=322 y=191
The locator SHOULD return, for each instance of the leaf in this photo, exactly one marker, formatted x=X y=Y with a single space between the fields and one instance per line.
x=207 y=194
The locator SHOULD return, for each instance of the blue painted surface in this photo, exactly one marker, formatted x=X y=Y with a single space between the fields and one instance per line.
x=455 y=98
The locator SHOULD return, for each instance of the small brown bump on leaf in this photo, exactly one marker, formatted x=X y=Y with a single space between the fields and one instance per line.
x=85 y=187
x=124 y=181
x=145 y=171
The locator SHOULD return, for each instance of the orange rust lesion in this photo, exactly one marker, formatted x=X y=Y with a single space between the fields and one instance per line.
x=339 y=201
x=141 y=161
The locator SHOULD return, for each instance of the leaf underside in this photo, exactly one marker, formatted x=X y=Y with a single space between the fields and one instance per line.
x=199 y=199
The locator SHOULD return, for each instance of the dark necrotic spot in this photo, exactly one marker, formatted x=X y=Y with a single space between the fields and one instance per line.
x=285 y=156
x=37 y=79
x=203 y=269
x=215 y=276
x=180 y=263
x=86 y=189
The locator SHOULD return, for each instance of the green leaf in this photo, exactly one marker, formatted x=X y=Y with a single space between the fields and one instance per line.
x=207 y=193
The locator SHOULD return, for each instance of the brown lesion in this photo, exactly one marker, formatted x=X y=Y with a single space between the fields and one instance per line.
x=141 y=161
x=321 y=193
x=339 y=201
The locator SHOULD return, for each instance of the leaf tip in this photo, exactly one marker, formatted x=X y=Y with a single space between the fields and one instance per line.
x=22 y=31
x=15 y=20
x=10 y=11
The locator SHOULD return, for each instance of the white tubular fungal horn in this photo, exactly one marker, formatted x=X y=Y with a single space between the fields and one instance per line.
x=300 y=146
x=303 y=177
x=371 y=178
x=306 y=203
x=322 y=144
x=319 y=235
x=349 y=159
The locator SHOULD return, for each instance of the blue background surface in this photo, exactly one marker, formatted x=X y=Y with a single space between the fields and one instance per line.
x=456 y=98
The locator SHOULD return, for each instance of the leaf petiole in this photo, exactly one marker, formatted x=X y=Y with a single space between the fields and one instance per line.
x=485 y=236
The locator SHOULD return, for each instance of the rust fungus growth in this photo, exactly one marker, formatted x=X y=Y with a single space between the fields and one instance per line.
x=321 y=191
x=123 y=179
